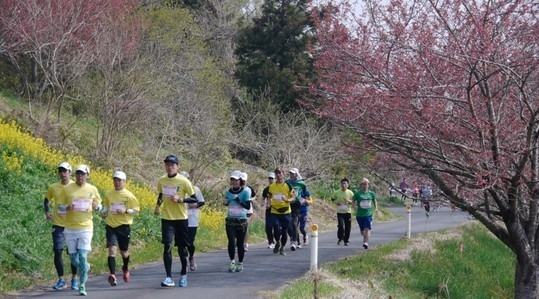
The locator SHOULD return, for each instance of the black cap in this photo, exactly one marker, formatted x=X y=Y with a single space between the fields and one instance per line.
x=173 y=159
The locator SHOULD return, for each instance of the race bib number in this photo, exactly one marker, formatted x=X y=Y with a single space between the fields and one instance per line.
x=169 y=191
x=235 y=210
x=115 y=206
x=343 y=208
x=278 y=197
x=365 y=204
x=81 y=204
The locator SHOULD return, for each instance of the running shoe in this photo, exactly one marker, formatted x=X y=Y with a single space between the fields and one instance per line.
x=168 y=282
x=281 y=251
x=293 y=247
x=60 y=284
x=345 y=243
x=192 y=264
x=239 y=267
x=74 y=284
x=276 y=248
x=232 y=266
x=112 y=280
x=305 y=240
x=246 y=247
x=271 y=246
x=299 y=245
x=339 y=242
x=127 y=275
x=82 y=290
x=365 y=245
x=183 y=281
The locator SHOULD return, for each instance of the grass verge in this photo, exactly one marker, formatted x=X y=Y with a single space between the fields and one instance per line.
x=464 y=262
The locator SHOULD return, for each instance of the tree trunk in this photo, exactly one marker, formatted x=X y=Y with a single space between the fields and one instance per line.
x=526 y=279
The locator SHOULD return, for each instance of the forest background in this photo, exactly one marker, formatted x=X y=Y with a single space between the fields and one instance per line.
x=224 y=84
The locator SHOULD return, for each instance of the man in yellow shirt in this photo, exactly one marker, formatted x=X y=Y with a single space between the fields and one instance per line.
x=119 y=208
x=281 y=195
x=343 y=199
x=79 y=200
x=52 y=213
x=174 y=191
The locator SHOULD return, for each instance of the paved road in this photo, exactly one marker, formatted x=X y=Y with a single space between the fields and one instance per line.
x=263 y=270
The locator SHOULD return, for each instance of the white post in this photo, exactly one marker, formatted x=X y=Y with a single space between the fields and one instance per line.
x=313 y=243
x=409 y=212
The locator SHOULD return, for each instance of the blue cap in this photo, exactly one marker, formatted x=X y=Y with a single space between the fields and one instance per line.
x=173 y=159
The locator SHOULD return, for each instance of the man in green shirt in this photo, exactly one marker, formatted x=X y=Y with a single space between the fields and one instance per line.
x=365 y=203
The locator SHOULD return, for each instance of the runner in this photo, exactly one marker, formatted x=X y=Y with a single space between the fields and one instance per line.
x=120 y=205
x=174 y=191
x=238 y=201
x=301 y=196
x=267 y=205
x=79 y=200
x=364 y=201
x=193 y=210
x=343 y=199
x=52 y=214
x=252 y=196
x=281 y=195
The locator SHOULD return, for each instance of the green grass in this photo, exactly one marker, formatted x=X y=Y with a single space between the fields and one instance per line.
x=430 y=266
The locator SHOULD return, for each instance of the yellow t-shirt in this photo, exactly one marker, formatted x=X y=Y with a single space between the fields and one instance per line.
x=122 y=199
x=279 y=192
x=53 y=193
x=171 y=210
x=81 y=197
x=339 y=197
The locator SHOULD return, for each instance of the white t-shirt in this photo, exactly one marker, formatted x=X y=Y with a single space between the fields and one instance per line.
x=250 y=211
x=194 y=213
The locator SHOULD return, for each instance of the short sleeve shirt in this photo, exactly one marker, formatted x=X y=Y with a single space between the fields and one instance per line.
x=53 y=194
x=365 y=202
x=122 y=199
x=340 y=198
x=168 y=187
x=81 y=198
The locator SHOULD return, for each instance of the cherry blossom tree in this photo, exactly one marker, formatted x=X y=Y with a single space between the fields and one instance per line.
x=60 y=38
x=449 y=89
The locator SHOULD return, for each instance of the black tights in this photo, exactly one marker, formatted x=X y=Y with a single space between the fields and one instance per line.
x=59 y=264
x=236 y=236
x=167 y=259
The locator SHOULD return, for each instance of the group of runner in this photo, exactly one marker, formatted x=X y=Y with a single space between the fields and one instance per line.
x=363 y=201
x=70 y=206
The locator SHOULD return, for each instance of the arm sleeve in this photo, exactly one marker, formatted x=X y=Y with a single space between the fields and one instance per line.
x=245 y=204
x=46 y=205
x=191 y=199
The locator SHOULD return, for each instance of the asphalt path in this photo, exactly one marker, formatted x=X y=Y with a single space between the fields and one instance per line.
x=263 y=270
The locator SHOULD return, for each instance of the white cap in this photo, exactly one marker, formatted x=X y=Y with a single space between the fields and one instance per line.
x=236 y=174
x=65 y=166
x=364 y=180
x=244 y=176
x=83 y=168
x=184 y=173
x=295 y=171
x=271 y=175
x=120 y=175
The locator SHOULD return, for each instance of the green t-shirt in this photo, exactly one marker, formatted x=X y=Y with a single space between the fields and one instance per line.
x=365 y=202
